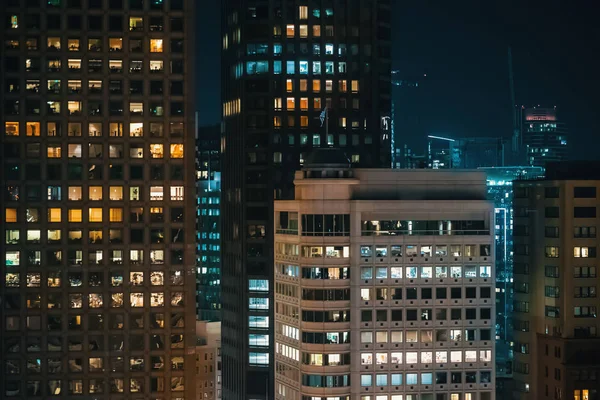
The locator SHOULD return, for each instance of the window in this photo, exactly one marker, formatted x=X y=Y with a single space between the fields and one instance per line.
x=584 y=192
x=156 y=45
x=584 y=212
x=552 y=252
x=584 y=252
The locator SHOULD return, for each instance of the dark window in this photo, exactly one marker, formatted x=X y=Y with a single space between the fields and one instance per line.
x=552 y=212
x=455 y=293
x=551 y=231
x=74 y=22
x=95 y=23
x=115 y=23
x=552 y=192
x=485 y=292
x=53 y=21
x=584 y=192
x=584 y=212
x=441 y=293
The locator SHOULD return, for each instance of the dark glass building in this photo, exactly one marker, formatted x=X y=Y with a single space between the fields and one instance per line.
x=284 y=63
x=544 y=136
x=97 y=287
x=209 y=223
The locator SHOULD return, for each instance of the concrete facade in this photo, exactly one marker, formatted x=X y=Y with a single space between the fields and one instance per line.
x=367 y=312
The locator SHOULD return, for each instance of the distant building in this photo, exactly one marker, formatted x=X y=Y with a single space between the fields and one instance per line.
x=465 y=153
x=556 y=344
x=500 y=191
x=543 y=136
x=209 y=223
x=208 y=361
x=384 y=284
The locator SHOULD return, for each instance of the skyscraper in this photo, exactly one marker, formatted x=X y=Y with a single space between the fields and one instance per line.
x=384 y=283
x=297 y=76
x=543 y=136
x=209 y=223
x=556 y=346
x=98 y=280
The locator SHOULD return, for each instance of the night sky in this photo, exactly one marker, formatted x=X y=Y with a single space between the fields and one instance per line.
x=462 y=47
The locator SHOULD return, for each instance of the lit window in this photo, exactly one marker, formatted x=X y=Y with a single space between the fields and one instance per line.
x=95 y=215
x=95 y=193
x=115 y=44
x=74 y=151
x=136 y=108
x=289 y=85
x=54 y=151
x=277 y=104
x=354 y=86
x=156 y=193
x=75 y=193
x=136 y=151
x=10 y=215
x=303 y=31
x=136 y=24
x=156 y=150
x=75 y=215
x=157 y=299
x=116 y=214
x=291 y=103
x=95 y=300
x=176 y=192
x=14 y=21
x=136 y=129
x=136 y=299
x=156 y=66
x=11 y=128
x=290 y=31
x=304 y=121
x=54 y=215
x=316 y=30
x=177 y=151
x=116 y=193
x=73 y=44
x=343 y=86
x=303 y=12
x=33 y=129
x=156 y=45
x=328 y=85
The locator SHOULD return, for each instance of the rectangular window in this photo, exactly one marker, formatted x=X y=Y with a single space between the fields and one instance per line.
x=584 y=192
x=584 y=212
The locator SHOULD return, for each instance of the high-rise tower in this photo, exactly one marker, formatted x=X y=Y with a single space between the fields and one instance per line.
x=98 y=281
x=297 y=75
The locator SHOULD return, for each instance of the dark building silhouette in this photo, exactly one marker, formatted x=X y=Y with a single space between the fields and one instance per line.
x=284 y=63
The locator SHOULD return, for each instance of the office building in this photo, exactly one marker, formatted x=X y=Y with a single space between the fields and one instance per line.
x=209 y=223
x=500 y=192
x=543 y=136
x=384 y=284
x=208 y=361
x=465 y=153
x=297 y=76
x=556 y=346
x=97 y=288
